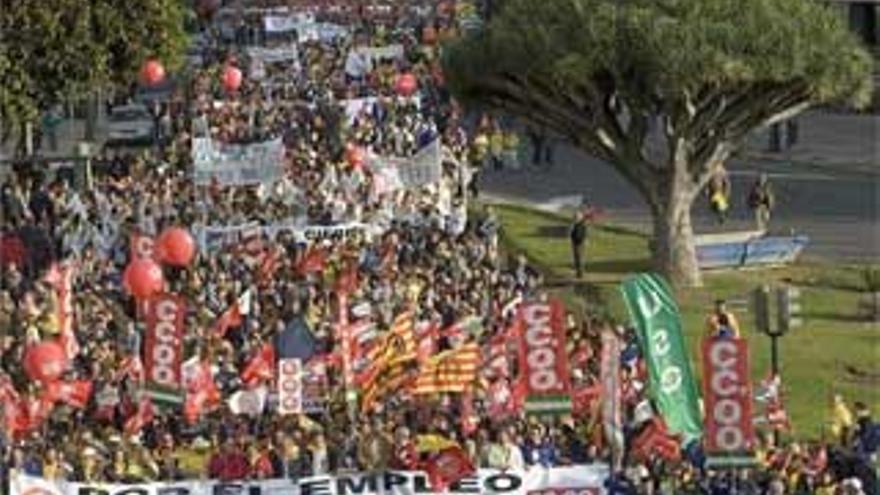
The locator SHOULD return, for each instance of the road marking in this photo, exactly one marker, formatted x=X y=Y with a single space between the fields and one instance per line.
x=808 y=176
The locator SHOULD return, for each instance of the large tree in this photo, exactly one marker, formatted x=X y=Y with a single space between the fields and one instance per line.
x=661 y=90
x=56 y=50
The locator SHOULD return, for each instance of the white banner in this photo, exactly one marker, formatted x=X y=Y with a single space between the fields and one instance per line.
x=237 y=164
x=355 y=106
x=421 y=169
x=271 y=55
x=361 y=60
x=573 y=480
x=215 y=237
x=287 y=23
x=290 y=385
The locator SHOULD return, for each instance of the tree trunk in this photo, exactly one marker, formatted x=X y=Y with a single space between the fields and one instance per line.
x=674 y=249
x=675 y=254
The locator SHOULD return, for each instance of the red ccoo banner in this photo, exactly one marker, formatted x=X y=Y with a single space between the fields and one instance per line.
x=163 y=347
x=543 y=361
x=730 y=435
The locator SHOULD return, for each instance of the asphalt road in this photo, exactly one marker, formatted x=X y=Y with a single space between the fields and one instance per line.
x=838 y=209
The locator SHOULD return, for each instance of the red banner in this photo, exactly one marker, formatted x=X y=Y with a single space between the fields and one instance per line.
x=728 y=398
x=141 y=246
x=163 y=346
x=543 y=361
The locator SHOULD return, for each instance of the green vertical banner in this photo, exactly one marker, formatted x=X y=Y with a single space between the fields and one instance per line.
x=671 y=381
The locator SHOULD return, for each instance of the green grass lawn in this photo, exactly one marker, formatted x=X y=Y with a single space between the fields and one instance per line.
x=814 y=358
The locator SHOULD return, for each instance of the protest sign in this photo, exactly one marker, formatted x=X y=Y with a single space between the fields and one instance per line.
x=164 y=348
x=730 y=434
x=237 y=164
x=658 y=326
x=587 y=479
x=543 y=360
x=290 y=386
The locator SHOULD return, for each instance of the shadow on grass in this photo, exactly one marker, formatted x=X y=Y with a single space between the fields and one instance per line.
x=552 y=232
x=828 y=283
x=834 y=316
x=618 y=267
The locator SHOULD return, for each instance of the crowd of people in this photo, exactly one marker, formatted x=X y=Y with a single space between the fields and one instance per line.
x=430 y=251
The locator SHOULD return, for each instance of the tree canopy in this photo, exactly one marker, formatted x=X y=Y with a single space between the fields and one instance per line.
x=56 y=49
x=662 y=90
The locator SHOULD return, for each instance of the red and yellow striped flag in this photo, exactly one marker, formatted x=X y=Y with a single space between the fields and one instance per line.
x=450 y=371
x=398 y=345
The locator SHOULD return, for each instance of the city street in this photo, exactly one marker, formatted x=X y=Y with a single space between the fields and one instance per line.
x=836 y=207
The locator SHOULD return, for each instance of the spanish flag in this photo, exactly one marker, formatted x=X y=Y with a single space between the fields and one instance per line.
x=450 y=371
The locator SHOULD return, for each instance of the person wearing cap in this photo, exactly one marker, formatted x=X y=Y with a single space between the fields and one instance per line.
x=577 y=234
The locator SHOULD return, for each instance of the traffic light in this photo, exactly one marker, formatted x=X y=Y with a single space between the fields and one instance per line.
x=761 y=302
x=788 y=308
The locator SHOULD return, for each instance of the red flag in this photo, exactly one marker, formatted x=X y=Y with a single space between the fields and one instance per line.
x=312 y=261
x=269 y=260
x=201 y=392
x=656 y=439
x=132 y=368
x=469 y=420
x=582 y=398
x=230 y=318
x=74 y=393
x=260 y=368
x=347 y=280
x=447 y=467
x=141 y=417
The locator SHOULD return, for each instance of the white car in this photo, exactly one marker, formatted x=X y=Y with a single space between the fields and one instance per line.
x=130 y=123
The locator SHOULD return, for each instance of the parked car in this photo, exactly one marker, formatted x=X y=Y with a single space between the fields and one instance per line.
x=130 y=124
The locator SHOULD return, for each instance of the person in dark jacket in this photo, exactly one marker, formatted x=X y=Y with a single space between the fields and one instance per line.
x=538 y=450
x=578 y=236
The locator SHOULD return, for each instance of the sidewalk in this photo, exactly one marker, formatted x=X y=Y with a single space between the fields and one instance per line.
x=827 y=140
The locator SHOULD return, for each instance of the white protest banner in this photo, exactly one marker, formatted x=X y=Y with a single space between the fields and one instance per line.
x=214 y=237
x=286 y=23
x=588 y=479
x=290 y=385
x=272 y=55
x=253 y=163
x=356 y=106
x=423 y=168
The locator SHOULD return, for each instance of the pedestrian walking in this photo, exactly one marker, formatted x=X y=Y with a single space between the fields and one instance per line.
x=578 y=236
x=719 y=194
x=761 y=201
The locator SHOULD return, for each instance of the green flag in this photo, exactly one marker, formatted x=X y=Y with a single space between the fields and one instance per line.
x=658 y=325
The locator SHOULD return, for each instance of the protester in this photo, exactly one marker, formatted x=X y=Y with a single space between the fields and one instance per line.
x=351 y=248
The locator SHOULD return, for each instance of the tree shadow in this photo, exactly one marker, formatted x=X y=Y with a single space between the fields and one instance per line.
x=852 y=317
x=619 y=266
x=552 y=231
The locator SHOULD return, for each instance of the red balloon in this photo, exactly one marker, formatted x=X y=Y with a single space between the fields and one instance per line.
x=143 y=278
x=231 y=78
x=406 y=84
x=176 y=247
x=355 y=155
x=152 y=72
x=45 y=362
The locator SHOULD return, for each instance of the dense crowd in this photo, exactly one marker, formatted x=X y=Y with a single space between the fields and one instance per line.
x=431 y=251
